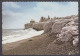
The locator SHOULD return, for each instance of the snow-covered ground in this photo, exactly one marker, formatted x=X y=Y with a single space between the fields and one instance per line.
x=9 y=36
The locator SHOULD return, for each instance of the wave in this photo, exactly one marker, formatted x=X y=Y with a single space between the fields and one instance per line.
x=17 y=35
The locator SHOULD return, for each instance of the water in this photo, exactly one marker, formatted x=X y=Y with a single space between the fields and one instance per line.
x=9 y=36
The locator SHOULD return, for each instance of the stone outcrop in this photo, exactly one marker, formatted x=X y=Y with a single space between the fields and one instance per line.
x=65 y=36
x=64 y=31
x=76 y=19
x=75 y=41
x=68 y=33
x=48 y=26
x=38 y=26
x=43 y=19
x=32 y=21
x=48 y=17
x=28 y=25
x=57 y=27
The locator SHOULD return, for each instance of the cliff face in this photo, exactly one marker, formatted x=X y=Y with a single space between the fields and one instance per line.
x=37 y=25
x=65 y=28
x=28 y=25
x=43 y=19
x=66 y=31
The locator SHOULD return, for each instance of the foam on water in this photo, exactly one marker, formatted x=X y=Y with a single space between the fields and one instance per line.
x=20 y=35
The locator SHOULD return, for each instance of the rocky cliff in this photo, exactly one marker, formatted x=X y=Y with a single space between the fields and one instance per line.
x=64 y=28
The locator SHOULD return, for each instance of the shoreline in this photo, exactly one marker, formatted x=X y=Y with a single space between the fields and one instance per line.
x=30 y=46
x=13 y=35
x=38 y=45
x=17 y=42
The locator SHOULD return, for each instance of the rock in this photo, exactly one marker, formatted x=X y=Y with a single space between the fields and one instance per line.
x=38 y=26
x=76 y=19
x=47 y=27
x=72 y=23
x=77 y=24
x=71 y=17
x=67 y=32
x=48 y=17
x=69 y=28
x=57 y=27
x=28 y=25
x=65 y=36
x=32 y=21
x=68 y=17
x=73 y=52
x=75 y=41
x=74 y=32
x=43 y=19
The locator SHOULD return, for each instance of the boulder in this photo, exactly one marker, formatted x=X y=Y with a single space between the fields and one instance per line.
x=48 y=26
x=28 y=25
x=76 y=24
x=48 y=17
x=32 y=21
x=75 y=32
x=38 y=25
x=72 y=29
x=72 y=23
x=67 y=32
x=43 y=19
x=76 y=19
x=65 y=36
x=57 y=27
x=69 y=28
x=75 y=41
x=68 y=17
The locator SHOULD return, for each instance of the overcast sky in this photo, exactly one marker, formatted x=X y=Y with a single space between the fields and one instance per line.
x=16 y=14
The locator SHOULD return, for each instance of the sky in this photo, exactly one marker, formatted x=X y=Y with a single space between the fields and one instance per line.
x=16 y=14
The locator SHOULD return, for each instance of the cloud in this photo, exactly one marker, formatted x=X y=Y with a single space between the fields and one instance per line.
x=10 y=5
x=16 y=20
x=12 y=20
x=56 y=9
